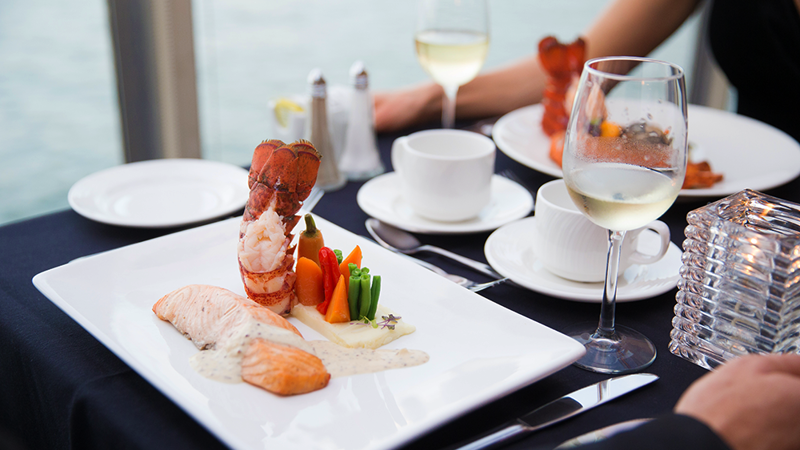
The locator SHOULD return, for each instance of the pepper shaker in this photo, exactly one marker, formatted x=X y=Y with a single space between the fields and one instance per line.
x=360 y=157
x=329 y=178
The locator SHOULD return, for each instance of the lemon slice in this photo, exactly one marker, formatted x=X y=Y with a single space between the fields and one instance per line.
x=284 y=109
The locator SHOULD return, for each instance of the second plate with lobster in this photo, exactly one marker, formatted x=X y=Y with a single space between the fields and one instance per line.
x=748 y=153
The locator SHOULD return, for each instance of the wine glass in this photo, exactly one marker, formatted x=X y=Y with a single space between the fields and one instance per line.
x=624 y=161
x=452 y=39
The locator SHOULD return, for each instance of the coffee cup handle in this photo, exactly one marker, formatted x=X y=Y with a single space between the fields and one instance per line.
x=397 y=154
x=663 y=232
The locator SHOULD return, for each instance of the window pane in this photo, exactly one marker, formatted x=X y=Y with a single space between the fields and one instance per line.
x=59 y=119
x=251 y=51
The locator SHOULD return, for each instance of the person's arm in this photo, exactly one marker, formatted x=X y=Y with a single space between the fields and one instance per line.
x=667 y=432
x=752 y=402
x=749 y=403
x=626 y=27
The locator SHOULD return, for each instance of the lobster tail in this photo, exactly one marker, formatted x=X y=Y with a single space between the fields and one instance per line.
x=281 y=178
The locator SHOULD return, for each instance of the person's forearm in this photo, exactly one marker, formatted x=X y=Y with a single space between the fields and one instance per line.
x=503 y=90
x=635 y=27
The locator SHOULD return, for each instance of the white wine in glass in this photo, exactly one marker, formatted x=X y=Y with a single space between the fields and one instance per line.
x=624 y=161
x=452 y=40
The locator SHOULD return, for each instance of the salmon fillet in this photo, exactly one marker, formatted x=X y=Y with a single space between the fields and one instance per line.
x=283 y=369
x=205 y=314
x=214 y=318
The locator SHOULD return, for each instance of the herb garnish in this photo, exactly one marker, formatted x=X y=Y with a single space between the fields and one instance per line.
x=389 y=321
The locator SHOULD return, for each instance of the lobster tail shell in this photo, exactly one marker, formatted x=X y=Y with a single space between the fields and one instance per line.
x=562 y=60
x=562 y=63
x=261 y=155
x=280 y=174
x=281 y=171
x=308 y=161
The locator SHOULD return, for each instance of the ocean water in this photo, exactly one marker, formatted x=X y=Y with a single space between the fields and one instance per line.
x=59 y=118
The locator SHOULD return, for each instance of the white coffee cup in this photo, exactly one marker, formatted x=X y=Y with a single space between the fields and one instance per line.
x=572 y=247
x=445 y=175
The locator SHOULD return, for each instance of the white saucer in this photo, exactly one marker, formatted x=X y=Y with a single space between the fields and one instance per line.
x=161 y=193
x=510 y=251
x=380 y=198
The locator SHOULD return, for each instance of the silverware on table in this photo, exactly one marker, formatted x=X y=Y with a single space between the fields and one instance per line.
x=563 y=408
x=402 y=242
x=457 y=279
x=477 y=287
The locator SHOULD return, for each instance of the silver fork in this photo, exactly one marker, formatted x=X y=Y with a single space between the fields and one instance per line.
x=476 y=287
x=457 y=279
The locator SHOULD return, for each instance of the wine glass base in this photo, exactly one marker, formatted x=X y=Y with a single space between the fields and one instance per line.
x=625 y=351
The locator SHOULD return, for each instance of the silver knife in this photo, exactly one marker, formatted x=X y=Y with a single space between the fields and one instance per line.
x=563 y=408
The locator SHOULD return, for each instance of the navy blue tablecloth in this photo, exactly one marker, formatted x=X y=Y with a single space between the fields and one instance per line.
x=61 y=388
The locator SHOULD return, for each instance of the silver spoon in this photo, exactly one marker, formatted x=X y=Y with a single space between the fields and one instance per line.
x=403 y=242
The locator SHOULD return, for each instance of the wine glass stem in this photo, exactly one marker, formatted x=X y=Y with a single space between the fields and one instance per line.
x=449 y=106
x=606 y=326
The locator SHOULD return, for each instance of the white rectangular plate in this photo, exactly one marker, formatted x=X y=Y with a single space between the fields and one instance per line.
x=479 y=351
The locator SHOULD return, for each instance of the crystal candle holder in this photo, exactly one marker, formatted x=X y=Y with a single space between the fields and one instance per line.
x=739 y=290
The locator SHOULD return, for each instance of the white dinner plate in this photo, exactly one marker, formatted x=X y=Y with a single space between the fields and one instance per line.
x=479 y=351
x=161 y=193
x=381 y=198
x=748 y=153
x=511 y=251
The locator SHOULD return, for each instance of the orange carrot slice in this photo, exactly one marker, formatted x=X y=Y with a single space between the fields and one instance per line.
x=355 y=258
x=339 y=308
x=308 y=285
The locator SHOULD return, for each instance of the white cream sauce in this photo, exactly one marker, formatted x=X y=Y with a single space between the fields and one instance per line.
x=224 y=362
x=342 y=361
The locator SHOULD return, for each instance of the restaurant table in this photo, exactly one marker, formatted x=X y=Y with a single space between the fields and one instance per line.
x=62 y=388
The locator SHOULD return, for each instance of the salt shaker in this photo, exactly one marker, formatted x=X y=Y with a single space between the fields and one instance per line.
x=318 y=132
x=360 y=159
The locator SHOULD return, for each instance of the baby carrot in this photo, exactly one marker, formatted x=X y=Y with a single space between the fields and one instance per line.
x=310 y=241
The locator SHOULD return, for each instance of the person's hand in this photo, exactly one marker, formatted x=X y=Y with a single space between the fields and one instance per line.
x=397 y=110
x=752 y=402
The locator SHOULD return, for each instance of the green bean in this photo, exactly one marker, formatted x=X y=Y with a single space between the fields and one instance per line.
x=354 y=270
x=364 y=296
x=375 y=293
x=352 y=296
x=338 y=254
